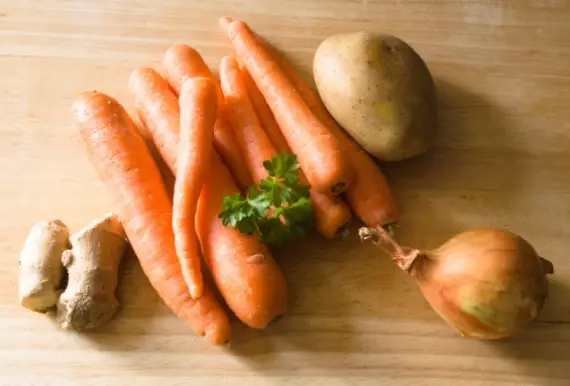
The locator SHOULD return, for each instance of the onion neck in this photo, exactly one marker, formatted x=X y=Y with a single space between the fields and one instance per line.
x=404 y=257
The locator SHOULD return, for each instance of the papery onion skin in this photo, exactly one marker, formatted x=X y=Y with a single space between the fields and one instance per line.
x=487 y=283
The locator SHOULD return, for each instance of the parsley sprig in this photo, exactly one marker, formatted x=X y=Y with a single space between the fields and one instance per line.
x=277 y=209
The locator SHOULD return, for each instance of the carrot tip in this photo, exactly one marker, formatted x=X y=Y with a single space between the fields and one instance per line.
x=339 y=187
x=179 y=46
x=217 y=336
x=195 y=292
x=225 y=23
x=228 y=61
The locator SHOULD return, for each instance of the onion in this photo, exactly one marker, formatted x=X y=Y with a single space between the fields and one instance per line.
x=486 y=283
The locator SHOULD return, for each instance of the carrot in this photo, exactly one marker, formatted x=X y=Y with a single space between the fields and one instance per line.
x=369 y=195
x=318 y=151
x=198 y=108
x=332 y=215
x=255 y=292
x=125 y=165
x=180 y=62
x=252 y=140
x=264 y=113
x=246 y=274
x=157 y=106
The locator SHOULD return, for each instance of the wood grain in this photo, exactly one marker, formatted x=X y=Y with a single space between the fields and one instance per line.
x=503 y=155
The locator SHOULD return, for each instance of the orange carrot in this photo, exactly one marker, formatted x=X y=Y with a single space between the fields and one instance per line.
x=369 y=195
x=252 y=140
x=318 y=151
x=198 y=108
x=332 y=215
x=125 y=165
x=255 y=292
x=264 y=113
x=246 y=274
x=180 y=62
x=157 y=106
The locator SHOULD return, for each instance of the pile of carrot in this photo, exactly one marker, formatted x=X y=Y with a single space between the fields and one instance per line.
x=214 y=136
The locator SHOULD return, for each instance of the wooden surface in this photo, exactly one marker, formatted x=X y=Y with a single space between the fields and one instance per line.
x=503 y=75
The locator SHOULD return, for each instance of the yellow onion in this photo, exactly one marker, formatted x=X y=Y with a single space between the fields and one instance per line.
x=486 y=283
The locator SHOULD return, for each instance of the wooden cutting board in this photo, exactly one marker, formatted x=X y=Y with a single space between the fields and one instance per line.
x=503 y=73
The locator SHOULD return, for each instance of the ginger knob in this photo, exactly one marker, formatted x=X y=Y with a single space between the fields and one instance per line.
x=93 y=267
x=41 y=270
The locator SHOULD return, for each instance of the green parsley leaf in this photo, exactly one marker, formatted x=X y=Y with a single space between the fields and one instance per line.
x=259 y=202
x=298 y=211
x=281 y=164
x=276 y=210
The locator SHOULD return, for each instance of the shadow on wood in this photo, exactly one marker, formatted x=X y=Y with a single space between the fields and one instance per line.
x=557 y=306
x=539 y=352
x=432 y=187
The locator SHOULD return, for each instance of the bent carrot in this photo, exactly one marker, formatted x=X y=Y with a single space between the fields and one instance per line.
x=157 y=106
x=182 y=61
x=332 y=215
x=198 y=108
x=252 y=140
x=318 y=151
x=369 y=195
x=256 y=293
x=126 y=167
x=244 y=270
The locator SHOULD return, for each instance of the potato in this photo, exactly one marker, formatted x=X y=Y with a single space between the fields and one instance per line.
x=380 y=90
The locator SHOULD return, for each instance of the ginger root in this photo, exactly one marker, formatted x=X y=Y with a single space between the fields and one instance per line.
x=41 y=270
x=93 y=267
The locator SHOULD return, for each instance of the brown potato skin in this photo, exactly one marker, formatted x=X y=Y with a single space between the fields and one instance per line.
x=380 y=91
